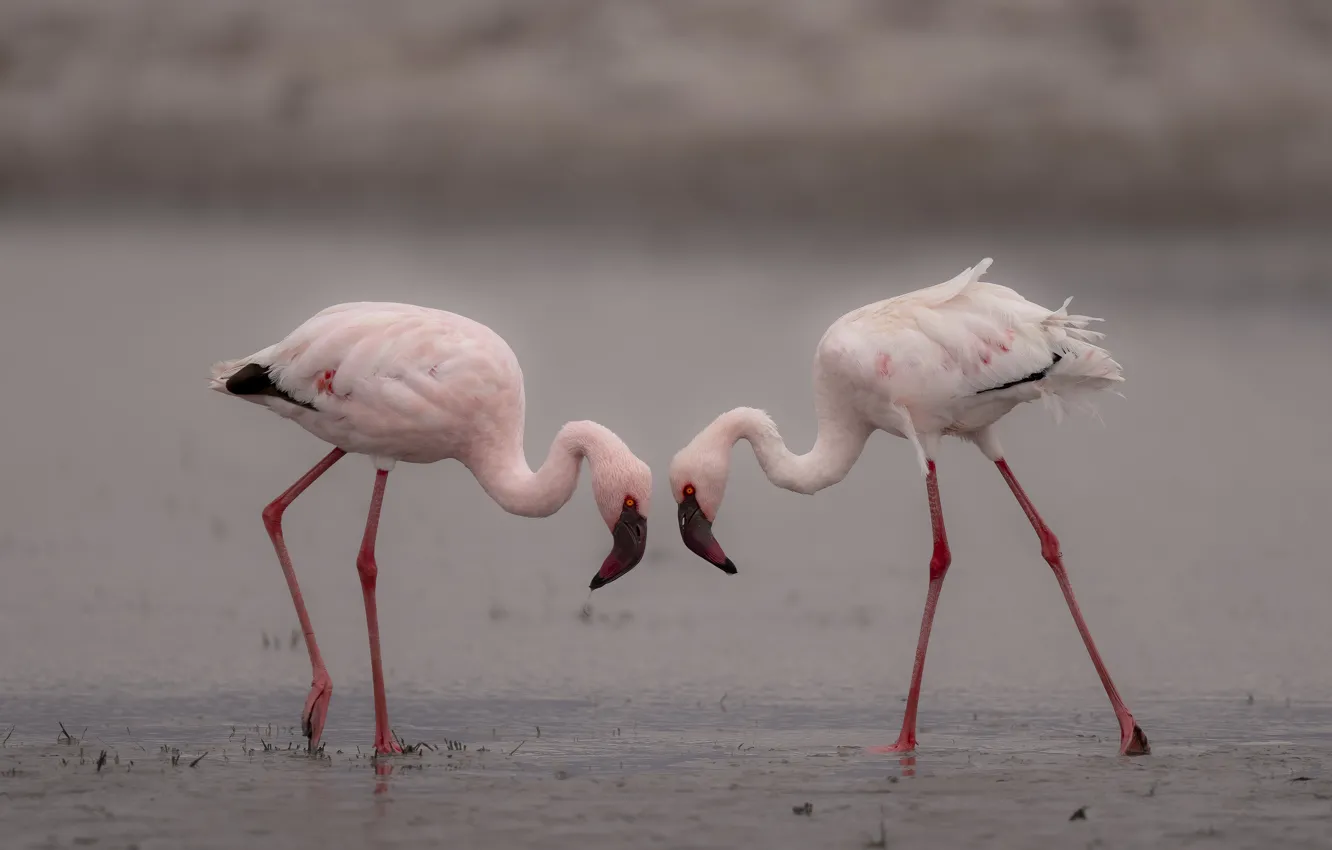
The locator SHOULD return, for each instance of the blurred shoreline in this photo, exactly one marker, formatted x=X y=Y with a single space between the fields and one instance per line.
x=1124 y=112
x=1225 y=266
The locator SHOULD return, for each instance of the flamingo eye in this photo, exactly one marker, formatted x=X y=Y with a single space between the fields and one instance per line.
x=629 y=501
x=689 y=490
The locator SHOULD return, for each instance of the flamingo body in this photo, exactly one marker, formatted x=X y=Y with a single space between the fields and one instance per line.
x=948 y=360
x=955 y=358
x=393 y=381
x=399 y=382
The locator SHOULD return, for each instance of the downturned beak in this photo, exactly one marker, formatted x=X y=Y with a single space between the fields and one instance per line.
x=629 y=542
x=696 y=531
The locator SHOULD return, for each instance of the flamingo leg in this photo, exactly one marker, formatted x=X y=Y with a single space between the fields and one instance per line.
x=321 y=686
x=1132 y=740
x=369 y=572
x=939 y=562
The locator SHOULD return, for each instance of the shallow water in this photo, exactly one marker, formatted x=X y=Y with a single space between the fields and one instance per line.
x=140 y=589
x=654 y=772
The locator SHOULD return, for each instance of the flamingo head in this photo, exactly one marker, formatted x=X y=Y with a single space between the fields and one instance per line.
x=623 y=491
x=698 y=483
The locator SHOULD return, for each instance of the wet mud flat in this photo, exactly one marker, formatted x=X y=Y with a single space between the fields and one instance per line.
x=622 y=773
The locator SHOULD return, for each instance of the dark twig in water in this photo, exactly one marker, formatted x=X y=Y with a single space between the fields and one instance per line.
x=806 y=810
x=722 y=702
x=1080 y=814
x=101 y=761
x=5 y=742
x=140 y=746
x=538 y=731
x=69 y=739
x=420 y=746
x=199 y=759
x=406 y=748
x=515 y=749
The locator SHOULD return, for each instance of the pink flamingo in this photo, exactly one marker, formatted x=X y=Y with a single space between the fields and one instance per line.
x=951 y=359
x=404 y=383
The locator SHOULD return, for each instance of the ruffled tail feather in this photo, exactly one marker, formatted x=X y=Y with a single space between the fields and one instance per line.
x=222 y=370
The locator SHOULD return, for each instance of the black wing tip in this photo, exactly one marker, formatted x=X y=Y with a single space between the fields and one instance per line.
x=250 y=379
x=254 y=379
x=1034 y=376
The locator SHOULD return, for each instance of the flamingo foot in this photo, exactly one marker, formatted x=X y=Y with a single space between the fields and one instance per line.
x=903 y=745
x=1134 y=743
x=316 y=708
x=385 y=745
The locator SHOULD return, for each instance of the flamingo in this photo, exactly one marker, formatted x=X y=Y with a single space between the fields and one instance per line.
x=948 y=360
x=404 y=383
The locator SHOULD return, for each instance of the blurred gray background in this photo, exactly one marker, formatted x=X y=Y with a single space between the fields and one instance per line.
x=915 y=110
x=661 y=206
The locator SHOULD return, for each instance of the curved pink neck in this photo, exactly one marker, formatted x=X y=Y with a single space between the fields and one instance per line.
x=836 y=449
x=503 y=473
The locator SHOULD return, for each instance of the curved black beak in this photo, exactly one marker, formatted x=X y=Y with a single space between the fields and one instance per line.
x=629 y=542
x=696 y=531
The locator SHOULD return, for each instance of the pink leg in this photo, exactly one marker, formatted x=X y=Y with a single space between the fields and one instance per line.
x=1132 y=740
x=369 y=570
x=906 y=741
x=321 y=688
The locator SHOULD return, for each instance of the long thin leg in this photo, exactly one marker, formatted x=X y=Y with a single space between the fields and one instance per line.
x=321 y=687
x=369 y=571
x=906 y=741
x=1132 y=740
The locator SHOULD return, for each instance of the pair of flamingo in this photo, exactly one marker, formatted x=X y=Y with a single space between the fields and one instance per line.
x=404 y=383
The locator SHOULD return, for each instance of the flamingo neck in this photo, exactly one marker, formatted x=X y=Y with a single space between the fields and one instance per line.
x=503 y=472
x=836 y=448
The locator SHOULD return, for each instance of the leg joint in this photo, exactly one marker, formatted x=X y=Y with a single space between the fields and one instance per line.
x=940 y=562
x=366 y=566
x=273 y=515
x=1049 y=544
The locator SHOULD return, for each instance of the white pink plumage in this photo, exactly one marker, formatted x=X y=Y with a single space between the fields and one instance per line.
x=399 y=382
x=947 y=360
